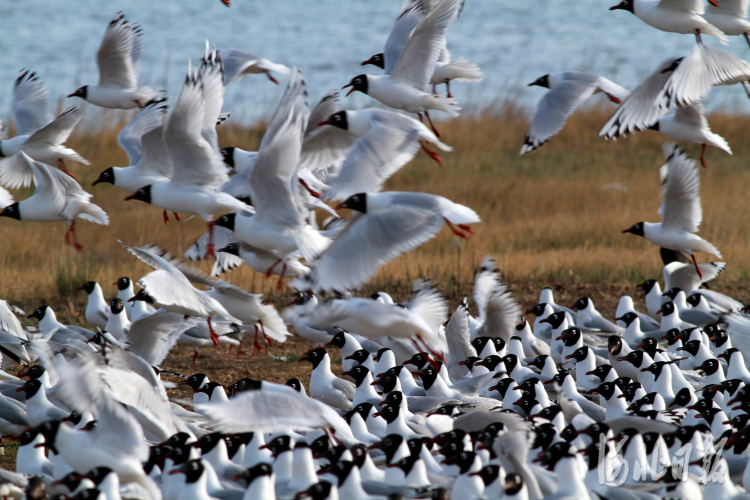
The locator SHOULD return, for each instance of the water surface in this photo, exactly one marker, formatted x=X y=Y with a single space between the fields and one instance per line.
x=514 y=42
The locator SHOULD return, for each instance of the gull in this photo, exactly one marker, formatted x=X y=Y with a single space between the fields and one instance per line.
x=419 y=319
x=388 y=224
x=57 y=197
x=324 y=385
x=265 y=262
x=117 y=59
x=298 y=315
x=116 y=441
x=153 y=336
x=681 y=210
x=694 y=76
x=136 y=309
x=689 y=124
x=39 y=409
x=38 y=135
x=683 y=276
x=674 y=16
x=568 y=91
x=237 y=64
x=275 y=410
x=411 y=15
x=676 y=82
x=45 y=144
x=142 y=140
x=280 y=225
x=590 y=319
x=730 y=17
x=241 y=304
x=51 y=328
x=198 y=171
x=406 y=86
x=97 y=311
x=498 y=310
x=460 y=70
x=386 y=141
x=168 y=288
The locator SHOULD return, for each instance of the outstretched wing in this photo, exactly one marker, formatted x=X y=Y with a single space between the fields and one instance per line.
x=421 y=51
x=680 y=193
x=115 y=54
x=378 y=238
x=30 y=103
x=554 y=109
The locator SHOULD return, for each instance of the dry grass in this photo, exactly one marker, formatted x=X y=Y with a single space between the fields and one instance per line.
x=553 y=216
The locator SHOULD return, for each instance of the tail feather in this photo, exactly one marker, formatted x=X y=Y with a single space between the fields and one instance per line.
x=459 y=214
x=462 y=70
x=5 y=198
x=273 y=324
x=69 y=154
x=144 y=95
x=311 y=243
x=705 y=246
x=93 y=213
x=446 y=105
x=719 y=142
x=711 y=30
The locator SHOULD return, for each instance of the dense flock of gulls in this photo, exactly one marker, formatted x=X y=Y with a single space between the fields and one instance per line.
x=429 y=404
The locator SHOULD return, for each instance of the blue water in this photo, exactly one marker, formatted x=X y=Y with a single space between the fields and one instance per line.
x=514 y=42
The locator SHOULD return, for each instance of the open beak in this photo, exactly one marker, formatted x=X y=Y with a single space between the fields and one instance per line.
x=348 y=85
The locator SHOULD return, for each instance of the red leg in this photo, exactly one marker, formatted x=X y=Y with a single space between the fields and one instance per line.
x=448 y=86
x=210 y=246
x=62 y=166
x=697 y=269
x=274 y=80
x=614 y=99
x=230 y=348
x=309 y=189
x=455 y=231
x=239 y=349
x=70 y=236
x=432 y=154
x=166 y=217
x=225 y=2
x=434 y=130
x=280 y=284
x=466 y=228
x=714 y=3
x=703 y=151
x=698 y=36
x=256 y=346
x=195 y=354
x=420 y=117
x=177 y=216
x=214 y=337
x=270 y=269
x=269 y=340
